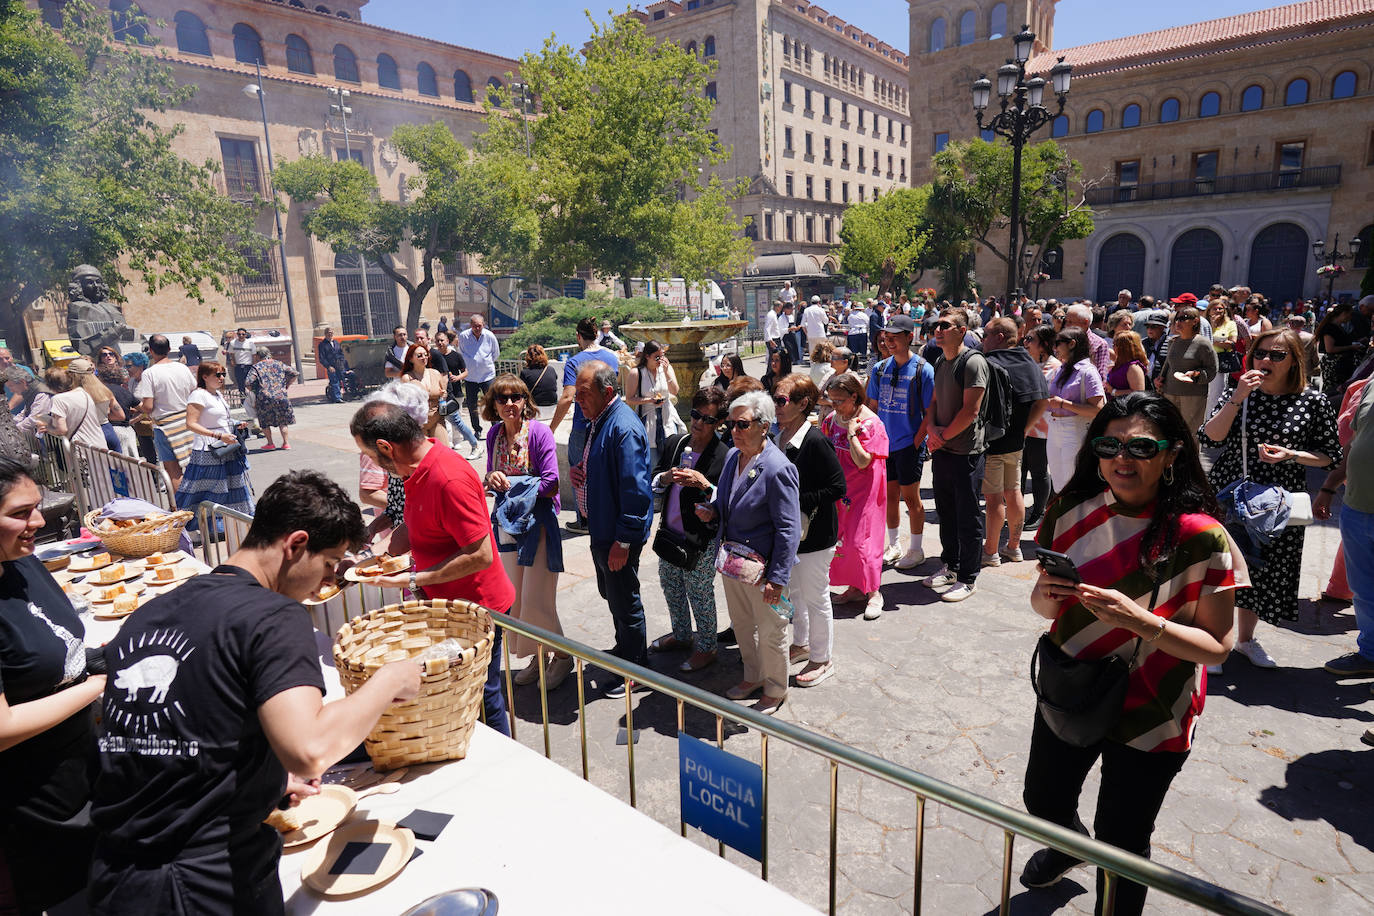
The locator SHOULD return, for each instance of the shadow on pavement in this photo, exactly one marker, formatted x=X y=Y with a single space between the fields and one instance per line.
x=1041 y=900
x=1328 y=786
x=1308 y=691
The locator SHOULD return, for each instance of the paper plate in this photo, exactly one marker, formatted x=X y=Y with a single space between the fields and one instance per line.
x=182 y=574
x=107 y=611
x=168 y=559
x=321 y=857
x=132 y=570
x=83 y=565
x=1182 y=377
x=353 y=572
x=320 y=814
x=325 y=595
x=96 y=594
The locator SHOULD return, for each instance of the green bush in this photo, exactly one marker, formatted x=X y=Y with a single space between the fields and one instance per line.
x=553 y=322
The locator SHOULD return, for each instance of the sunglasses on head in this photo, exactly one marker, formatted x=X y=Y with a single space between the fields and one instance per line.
x=705 y=418
x=509 y=398
x=1274 y=356
x=1136 y=447
x=740 y=425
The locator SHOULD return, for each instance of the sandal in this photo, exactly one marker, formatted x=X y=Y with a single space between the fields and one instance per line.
x=669 y=643
x=696 y=661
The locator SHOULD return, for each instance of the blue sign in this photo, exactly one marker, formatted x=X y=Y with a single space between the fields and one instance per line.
x=575 y=288
x=722 y=795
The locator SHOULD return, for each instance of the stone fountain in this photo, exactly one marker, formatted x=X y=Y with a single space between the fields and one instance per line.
x=686 y=342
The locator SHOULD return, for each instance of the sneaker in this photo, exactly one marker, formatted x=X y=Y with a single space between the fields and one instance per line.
x=557 y=671
x=814 y=673
x=893 y=553
x=940 y=579
x=530 y=673
x=478 y=450
x=873 y=609
x=959 y=592
x=617 y=690
x=1352 y=664
x=576 y=527
x=1011 y=556
x=913 y=557
x=798 y=654
x=1368 y=737
x=1031 y=524
x=1214 y=669
x=1255 y=654
x=1046 y=867
x=991 y=559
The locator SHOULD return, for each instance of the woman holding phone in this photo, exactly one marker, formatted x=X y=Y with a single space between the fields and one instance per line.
x=1138 y=521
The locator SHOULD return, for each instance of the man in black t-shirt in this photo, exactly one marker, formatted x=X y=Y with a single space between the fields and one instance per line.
x=214 y=695
x=1002 y=467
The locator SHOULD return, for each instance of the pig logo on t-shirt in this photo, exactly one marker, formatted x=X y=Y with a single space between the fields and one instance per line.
x=155 y=671
x=142 y=699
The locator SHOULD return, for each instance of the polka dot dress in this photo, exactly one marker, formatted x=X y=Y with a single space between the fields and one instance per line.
x=1302 y=421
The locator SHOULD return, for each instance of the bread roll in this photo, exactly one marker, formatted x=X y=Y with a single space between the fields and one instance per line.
x=113 y=573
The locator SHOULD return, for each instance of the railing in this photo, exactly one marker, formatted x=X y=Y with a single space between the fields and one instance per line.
x=52 y=454
x=1318 y=177
x=222 y=530
x=1116 y=863
x=100 y=475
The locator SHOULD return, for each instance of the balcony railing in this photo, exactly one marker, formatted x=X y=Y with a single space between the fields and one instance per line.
x=1323 y=176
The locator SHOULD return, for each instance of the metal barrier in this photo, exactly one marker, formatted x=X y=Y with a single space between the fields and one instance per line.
x=101 y=475
x=53 y=467
x=222 y=530
x=1117 y=863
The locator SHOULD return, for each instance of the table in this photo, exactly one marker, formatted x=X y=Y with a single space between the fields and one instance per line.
x=544 y=841
x=99 y=632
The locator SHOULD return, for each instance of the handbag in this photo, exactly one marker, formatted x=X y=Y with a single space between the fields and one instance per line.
x=1228 y=362
x=1262 y=510
x=672 y=548
x=1080 y=699
x=740 y=562
x=226 y=451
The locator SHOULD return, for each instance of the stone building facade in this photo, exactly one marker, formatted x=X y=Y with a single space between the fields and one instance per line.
x=304 y=52
x=1221 y=151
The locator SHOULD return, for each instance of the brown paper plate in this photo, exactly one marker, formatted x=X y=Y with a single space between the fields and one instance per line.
x=325 y=595
x=320 y=814
x=97 y=592
x=321 y=857
x=84 y=564
x=182 y=574
x=169 y=558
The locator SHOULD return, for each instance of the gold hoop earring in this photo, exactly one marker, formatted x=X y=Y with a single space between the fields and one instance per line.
x=1169 y=474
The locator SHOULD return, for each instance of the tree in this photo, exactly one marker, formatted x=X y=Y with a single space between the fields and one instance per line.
x=553 y=322
x=886 y=239
x=617 y=155
x=972 y=188
x=459 y=203
x=86 y=176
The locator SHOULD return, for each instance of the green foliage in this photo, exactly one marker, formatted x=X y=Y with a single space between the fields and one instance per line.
x=87 y=177
x=616 y=158
x=885 y=240
x=553 y=322
x=971 y=198
x=458 y=203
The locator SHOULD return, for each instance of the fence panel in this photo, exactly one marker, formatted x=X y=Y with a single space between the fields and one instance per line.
x=102 y=475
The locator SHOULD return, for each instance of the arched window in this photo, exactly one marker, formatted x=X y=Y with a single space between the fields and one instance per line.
x=1093 y=123
x=345 y=64
x=494 y=86
x=343 y=14
x=691 y=47
x=122 y=20
x=1209 y=106
x=1343 y=86
x=708 y=47
x=1252 y=99
x=711 y=91
x=1168 y=111
x=191 y=37
x=388 y=74
x=1296 y=93
x=937 y=35
x=322 y=9
x=997 y=22
x=462 y=86
x=1130 y=115
x=426 y=81
x=298 y=58
x=967 y=26
x=1059 y=127
x=247 y=45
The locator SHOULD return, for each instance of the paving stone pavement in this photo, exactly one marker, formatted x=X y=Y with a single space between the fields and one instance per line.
x=1274 y=800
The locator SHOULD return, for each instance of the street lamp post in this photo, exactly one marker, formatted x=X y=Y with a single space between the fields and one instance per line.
x=1020 y=116
x=1331 y=259
x=255 y=89
x=338 y=105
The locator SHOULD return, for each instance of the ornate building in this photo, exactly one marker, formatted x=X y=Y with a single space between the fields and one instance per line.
x=307 y=53
x=1222 y=150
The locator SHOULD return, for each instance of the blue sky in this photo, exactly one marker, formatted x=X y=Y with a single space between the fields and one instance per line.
x=514 y=26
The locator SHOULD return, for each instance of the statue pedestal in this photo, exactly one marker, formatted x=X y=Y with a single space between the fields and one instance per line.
x=686 y=343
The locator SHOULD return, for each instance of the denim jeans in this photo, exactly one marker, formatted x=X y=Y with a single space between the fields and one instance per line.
x=957 y=480
x=621 y=591
x=474 y=392
x=493 y=700
x=333 y=390
x=460 y=426
x=1357 y=536
x=577 y=442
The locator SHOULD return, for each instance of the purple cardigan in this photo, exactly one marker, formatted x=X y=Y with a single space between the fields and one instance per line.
x=543 y=457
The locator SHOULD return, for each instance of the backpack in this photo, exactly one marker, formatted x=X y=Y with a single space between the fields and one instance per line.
x=994 y=414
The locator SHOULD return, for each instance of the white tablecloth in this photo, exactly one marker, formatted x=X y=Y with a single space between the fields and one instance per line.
x=545 y=842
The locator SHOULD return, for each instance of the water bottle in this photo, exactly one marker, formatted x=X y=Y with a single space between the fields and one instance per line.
x=784 y=607
x=686 y=460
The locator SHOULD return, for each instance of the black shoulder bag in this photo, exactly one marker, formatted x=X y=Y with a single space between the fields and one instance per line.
x=1080 y=699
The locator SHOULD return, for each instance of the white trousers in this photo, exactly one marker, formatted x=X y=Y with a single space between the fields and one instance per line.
x=813 y=617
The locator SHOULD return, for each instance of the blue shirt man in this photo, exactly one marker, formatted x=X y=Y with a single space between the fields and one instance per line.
x=480 y=351
x=588 y=351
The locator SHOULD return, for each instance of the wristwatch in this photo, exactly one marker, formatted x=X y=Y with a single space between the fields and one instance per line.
x=623 y=545
x=414 y=586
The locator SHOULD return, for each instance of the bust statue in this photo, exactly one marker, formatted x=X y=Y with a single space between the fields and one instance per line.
x=94 y=320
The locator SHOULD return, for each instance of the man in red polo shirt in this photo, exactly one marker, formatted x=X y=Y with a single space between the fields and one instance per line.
x=447 y=524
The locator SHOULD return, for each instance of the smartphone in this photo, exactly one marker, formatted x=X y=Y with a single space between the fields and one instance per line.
x=1057 y=564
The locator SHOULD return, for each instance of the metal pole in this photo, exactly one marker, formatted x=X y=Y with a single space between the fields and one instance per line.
x=281 y=236
x=1018 y=140
x=362 y=258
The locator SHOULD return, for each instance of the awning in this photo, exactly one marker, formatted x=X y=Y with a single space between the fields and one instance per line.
x=791 y=266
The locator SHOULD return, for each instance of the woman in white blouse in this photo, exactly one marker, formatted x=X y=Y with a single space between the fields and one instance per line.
x=216 y=470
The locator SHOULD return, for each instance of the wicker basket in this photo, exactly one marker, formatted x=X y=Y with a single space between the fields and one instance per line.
x=159 y=534
x=438 y=723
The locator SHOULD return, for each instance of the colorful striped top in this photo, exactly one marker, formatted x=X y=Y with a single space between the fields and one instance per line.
x=1165 y=694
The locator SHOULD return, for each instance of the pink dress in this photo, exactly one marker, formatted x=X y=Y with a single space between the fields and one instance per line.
x=863 y=510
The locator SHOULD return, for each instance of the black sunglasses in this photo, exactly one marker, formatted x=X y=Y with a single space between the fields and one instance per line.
x=1274 y=356
x=221 y=375
x=943 y=325
x=509 y=398
x=740 y=425
x=783 y=400
x=705 y=418
x=1136 y=447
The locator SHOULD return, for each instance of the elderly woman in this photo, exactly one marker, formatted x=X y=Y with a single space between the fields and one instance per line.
x=689 y=465
x=416 y=370
x=522 y=465
x=219 y=478
x=269 y=380
x=821 y=484
x=760 y=528
x=860 y=441
x=651 y=391
x=31 y=413
x=1189 y=367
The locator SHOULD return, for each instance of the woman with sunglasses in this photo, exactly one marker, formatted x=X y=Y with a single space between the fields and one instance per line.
x=207 y=475
x=1139 y=521
x=860 y=442
x=821 y=485
x=1076 y=395
x=1288 y=428
x=416 y=370
x=1339 y=349
x=522 y=462
x=689 y=465
x=756 y=504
